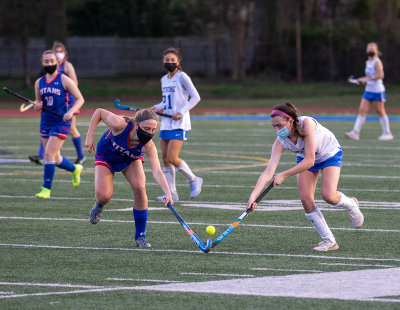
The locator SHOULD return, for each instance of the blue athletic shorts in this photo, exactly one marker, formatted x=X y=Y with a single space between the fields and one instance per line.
x=176 y=134
x=112 y=165
x=334 y=161
x=374 y=96
x=60 y=131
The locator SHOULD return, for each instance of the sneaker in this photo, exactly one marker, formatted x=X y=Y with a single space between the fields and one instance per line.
x=76 y=175
x=95 y=214
x=357 y=218
x=142 y=243
x=385 y=137
x=36 y=159
x=44 y=193
x=195 y=187
x=80 y=161
x=352 y=135
x=326 y=245
x=175 y=197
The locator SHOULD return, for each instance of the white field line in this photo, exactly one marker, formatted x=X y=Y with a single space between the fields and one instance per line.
x=84 y=248
x=286 y=270
x=199 y=223
x=218 y=274
x=143 y=280
x=357 y=265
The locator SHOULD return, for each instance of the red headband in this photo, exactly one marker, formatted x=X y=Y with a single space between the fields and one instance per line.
x=281 y=113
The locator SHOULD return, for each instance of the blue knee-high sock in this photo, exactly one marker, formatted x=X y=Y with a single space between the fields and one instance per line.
x=140 y=217
x=40 y=152
x=66 y=164
x=48 y=176
x=78 y=146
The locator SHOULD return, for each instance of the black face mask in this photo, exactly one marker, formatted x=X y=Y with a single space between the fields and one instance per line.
x=170 y=66
x=143 y=136
x=50 y=69
x=371 y=54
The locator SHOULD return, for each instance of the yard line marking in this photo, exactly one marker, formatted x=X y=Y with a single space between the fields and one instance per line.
x=218 y=274
x=313 y=256
x=357 y=265
x=52 y=284
x=202 y=224
x=286 y=270
x=143 y=280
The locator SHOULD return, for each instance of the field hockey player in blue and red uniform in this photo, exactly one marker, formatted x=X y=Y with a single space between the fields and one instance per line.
x=52 y=91
x=121 y=149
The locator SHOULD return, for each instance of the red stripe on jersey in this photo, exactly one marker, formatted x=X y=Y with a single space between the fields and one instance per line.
x=52 y=79
x=65 y=128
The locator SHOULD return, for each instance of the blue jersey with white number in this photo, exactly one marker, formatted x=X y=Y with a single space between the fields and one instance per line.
x=54 y=97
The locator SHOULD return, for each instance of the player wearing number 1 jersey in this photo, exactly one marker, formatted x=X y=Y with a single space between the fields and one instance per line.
x=179 y=97
x=52 y=91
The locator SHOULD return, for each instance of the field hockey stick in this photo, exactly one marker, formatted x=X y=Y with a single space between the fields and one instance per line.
x=24 y=107
x=204 y=248
x=134 y=109
x=240 y=218
x=352 y=80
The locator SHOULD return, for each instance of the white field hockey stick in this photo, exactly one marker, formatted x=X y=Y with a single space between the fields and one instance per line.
x=352 y=80
x=134 y=109
x=240 y=218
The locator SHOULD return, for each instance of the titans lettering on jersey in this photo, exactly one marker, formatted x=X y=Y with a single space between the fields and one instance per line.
x=50 y=90
x=123 y=151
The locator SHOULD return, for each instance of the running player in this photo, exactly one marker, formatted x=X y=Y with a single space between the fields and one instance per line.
x=64 y=66
x=179 y=97
x=375 y=93
x=317 y=150
x=52 y=91
x=120 y=150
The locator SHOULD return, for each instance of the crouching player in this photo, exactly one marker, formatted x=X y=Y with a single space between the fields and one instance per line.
x=120 y=150
x=317 y=150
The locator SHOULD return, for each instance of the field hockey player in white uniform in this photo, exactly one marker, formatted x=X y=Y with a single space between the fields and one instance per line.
x=375 y=93
x=179 y=97
x=317 y=150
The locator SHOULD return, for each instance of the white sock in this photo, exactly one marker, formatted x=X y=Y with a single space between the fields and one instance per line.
x=346 y=202
x=360 y=120
x=169 y=173
x=384 y=120
x=317 y=219
x=186 y=171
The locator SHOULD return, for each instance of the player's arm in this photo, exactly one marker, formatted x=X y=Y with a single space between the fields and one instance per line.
x=38 y=98
x=266 y=176
x=193 y=94
x=308 y=130
x=115 y=122
x=70 y=71
x=151 y=151
x=70 y=86
x=379 y=72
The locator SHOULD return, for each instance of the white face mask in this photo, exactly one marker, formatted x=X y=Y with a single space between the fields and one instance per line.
x=60 y=56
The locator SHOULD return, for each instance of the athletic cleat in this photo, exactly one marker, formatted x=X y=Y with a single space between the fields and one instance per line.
x=175 y=197
x=385 y=137
x=357 y=218
x=36 y=159
x=95 y=214
x=80 y=161
x=352 y=135
x=76 y=175
x=142 y=243
x=44 y=193
x=195 y=187
x=326 y=245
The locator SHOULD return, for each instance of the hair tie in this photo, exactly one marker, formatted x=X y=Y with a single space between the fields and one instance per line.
x=281 y=113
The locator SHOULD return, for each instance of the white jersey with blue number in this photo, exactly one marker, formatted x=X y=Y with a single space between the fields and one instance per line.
x=179 y=95
x=326 y=144
x=374 y=86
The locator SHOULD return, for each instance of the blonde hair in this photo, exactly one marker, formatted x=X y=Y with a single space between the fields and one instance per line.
x=140 y=116
x=46 y=52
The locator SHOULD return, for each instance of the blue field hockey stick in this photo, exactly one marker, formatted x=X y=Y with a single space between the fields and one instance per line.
x=134 y=109
x=31 y=103
x=240 y=218
x=204 y=248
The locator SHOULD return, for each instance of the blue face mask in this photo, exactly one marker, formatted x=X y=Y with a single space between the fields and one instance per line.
x=283 y=133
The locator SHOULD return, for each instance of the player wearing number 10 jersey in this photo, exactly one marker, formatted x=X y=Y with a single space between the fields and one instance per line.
x=179 y=97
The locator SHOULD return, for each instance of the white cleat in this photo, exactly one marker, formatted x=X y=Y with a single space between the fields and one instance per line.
x=326 y=245
x=352 y=135
x=357 y=218
x=195 y=187
x=385 y=137
x=175 y=197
